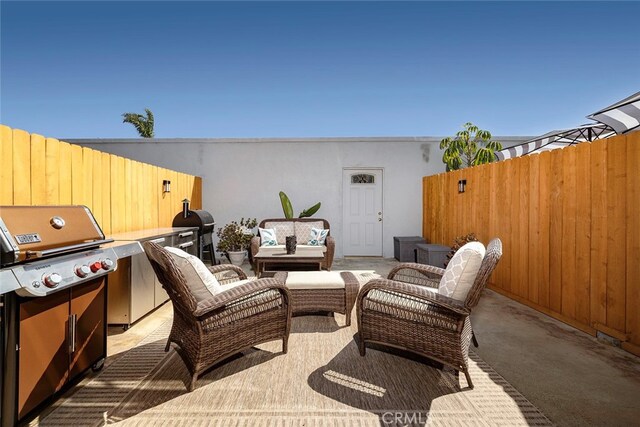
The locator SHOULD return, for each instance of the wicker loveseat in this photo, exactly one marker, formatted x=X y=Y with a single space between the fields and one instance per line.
x=208 y=328
x=411 y=311
x=301 y=228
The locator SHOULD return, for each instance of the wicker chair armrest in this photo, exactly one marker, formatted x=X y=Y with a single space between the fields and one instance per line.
x=225 y=268
x=255 y=245
x=330 y=243
x=237 y=293
x=415 y=291
x=428 y=275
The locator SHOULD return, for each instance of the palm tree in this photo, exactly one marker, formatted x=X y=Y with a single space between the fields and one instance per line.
x=144 y=125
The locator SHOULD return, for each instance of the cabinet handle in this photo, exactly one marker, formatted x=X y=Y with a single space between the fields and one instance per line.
x=186 y=234
x=185 y=245
x=73 y=319
x=160 y=240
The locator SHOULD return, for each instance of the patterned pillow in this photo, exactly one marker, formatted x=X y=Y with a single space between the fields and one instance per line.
x=200 y=281
x=268 y=237
x=318 y=236
x=283 y=229
x=461 y=271
x=303 y=229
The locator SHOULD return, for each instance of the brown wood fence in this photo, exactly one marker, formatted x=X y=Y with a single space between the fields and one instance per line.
x=123 y=194
x=570 y=223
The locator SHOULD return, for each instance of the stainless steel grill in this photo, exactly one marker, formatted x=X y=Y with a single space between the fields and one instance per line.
x=53 y=266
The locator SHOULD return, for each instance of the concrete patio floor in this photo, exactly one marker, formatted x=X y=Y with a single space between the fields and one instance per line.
x=570 y=376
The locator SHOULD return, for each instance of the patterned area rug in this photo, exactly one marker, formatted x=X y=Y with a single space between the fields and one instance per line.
x=321 y=381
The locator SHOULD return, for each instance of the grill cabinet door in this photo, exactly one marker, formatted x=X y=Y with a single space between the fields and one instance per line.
x=44 y=352
x=88 y=305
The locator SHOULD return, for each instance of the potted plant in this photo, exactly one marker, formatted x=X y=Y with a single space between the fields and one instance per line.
x=235 y=238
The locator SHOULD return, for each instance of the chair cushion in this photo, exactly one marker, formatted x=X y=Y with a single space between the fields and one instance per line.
x=283 y=229
x=200 y=281
x=303 y=230
x=318 y=236
x=461 y=271
x=268 y=237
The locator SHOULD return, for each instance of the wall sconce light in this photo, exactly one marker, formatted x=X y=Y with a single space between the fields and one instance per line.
x=166 y=186
x=462 y=185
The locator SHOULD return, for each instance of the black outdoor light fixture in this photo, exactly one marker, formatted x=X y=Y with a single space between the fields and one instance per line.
x=462 y=185
x=166 y=186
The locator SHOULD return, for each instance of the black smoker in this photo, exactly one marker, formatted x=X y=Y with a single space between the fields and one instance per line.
x=205 y=223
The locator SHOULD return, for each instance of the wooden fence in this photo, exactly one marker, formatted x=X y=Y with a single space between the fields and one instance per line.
x=123 y=194
x=570 y=224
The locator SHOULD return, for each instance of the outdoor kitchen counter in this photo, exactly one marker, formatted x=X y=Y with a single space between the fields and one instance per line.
x=150 y=233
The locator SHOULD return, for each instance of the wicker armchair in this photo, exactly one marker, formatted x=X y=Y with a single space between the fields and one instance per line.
x=224 y=324
x=402 y=312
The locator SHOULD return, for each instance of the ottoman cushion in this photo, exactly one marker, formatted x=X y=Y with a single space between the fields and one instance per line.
x=314 y=280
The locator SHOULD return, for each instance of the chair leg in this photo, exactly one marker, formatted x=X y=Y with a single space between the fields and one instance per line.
x=468 y=377
x=285 y=345
x=347 y=318
x=473 y=339
x=361 y=347
x=192 y=384
x=168 y=346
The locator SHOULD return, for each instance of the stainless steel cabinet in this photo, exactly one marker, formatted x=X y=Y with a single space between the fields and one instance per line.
x=133 y=289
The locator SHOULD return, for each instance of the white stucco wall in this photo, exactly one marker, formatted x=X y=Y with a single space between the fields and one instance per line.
x=242 y=178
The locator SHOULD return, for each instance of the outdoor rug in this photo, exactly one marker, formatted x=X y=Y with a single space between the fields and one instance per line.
x=322 y=380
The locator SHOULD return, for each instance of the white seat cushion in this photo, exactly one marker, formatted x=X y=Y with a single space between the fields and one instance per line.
x=314 y=280
x=461 y=271
x=199 y=279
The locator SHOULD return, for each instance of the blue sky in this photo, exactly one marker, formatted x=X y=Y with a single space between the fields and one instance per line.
x=305 y=69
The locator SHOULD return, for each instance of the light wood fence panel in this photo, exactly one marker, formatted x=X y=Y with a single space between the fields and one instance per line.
x=6 y=165
x=124 y=195
x=569 y=221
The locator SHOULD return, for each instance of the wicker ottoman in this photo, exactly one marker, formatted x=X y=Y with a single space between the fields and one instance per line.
x=313 y=291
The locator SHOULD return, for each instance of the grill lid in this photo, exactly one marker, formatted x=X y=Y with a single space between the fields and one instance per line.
x=197 y=218
x=29 y=232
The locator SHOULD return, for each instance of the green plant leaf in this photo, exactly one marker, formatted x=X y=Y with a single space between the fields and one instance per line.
x=309 y=212
x=287 y=209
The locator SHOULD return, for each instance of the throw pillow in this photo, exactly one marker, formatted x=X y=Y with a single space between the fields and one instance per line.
x=268 y=237
x=201 y=282
x=318 y=236
x=461 y=271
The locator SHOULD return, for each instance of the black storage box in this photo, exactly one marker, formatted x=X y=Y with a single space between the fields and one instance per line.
x=404 y=248
x=431 y=254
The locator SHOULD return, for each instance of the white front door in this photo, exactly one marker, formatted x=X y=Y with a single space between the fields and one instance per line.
x=362 y=212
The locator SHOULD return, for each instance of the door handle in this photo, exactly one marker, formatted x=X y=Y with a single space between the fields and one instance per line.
x=73 y=320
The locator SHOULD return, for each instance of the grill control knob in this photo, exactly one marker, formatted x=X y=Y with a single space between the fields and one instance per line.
x=82 y=270
x=52 y=280
x=107 y=264
x=95 y=266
